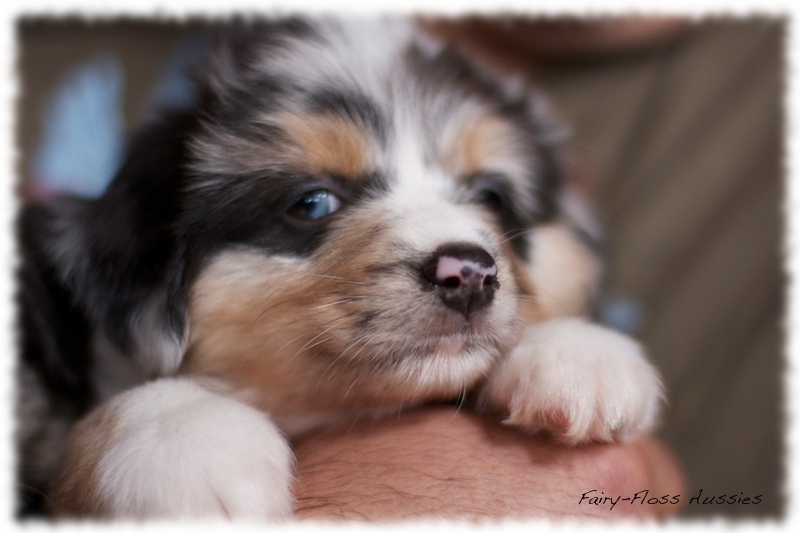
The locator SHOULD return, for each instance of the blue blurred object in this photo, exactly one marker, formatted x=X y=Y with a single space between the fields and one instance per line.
x=620 y=313
x=83 y=131
x=84 y=127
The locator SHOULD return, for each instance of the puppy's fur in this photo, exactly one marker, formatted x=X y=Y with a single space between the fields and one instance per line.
x=352 y=219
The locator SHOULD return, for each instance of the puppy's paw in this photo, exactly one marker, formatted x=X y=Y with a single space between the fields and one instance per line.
x=579 y=381
x=173 y=448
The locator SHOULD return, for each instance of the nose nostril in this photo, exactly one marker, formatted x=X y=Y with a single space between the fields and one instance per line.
x=451 y=283
x=464 y=277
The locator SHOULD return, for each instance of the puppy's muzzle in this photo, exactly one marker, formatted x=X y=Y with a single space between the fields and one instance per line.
x=463 y=275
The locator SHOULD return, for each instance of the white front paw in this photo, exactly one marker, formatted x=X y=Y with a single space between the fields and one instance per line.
x=580 y=381
x=173 y=448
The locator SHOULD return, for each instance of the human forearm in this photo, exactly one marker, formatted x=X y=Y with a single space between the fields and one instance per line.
x=457 y=465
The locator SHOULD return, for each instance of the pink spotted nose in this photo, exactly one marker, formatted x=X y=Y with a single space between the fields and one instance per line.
x=464 y=276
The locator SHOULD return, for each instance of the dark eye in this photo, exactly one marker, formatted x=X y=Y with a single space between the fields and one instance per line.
x=491 y=192
x=315 y=205
x=492 y=199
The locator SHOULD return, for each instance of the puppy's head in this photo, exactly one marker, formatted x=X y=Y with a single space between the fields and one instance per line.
x=362 y=217
x=375 y=194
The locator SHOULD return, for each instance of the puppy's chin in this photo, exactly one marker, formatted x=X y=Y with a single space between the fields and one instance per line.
x=440 y=367
x=449 y=370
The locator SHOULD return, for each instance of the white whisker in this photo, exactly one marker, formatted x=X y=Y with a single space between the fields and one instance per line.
x=349 y=389
x=528 y=298
x=309 y=343
x=513 y=234
x=337 y=302
x=340 y=356
x=337 y=278
x=462 y=397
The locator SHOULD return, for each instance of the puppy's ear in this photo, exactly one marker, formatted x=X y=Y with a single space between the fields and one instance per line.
x=119 y=254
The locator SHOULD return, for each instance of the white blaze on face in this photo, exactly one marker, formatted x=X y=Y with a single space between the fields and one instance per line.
x=422 y=196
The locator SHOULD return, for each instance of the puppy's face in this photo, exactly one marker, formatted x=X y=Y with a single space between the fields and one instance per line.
x=362 y=211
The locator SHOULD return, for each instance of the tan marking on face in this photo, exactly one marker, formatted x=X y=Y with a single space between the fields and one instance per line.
x=327 y=143
x=479 y=144
x=276 y=335
x=563 y=272
x=528 y=306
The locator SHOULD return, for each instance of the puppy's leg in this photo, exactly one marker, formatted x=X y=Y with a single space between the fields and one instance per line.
x=173 y=448
x=579 y=380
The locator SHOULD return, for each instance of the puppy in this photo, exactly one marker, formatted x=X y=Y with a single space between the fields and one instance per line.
x=352 y=219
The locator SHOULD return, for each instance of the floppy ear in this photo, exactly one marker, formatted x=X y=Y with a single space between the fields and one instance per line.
x=119 y=255
x=122 y=255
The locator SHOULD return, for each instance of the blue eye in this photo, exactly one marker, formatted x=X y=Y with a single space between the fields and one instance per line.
x=315 y=205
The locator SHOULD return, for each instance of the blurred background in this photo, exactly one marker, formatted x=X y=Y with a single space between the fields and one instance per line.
x=677 y=132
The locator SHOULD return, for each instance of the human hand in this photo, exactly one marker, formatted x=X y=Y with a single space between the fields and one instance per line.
x=443 y=463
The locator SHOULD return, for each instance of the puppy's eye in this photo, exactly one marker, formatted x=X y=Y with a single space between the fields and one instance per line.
x=315 y=205
x=490 y=189
x=491 y=198
x=492 y=194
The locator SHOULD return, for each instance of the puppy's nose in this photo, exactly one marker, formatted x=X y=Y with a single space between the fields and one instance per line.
x=464 y=276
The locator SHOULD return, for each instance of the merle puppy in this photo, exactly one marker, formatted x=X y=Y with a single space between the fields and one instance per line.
x=352 y=220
